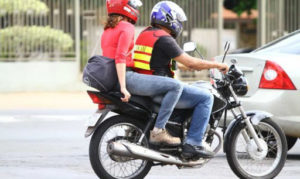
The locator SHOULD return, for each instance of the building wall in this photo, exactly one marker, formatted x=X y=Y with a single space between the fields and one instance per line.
x=39 y=76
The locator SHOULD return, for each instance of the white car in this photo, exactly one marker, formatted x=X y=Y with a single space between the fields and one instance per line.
x=273 y=74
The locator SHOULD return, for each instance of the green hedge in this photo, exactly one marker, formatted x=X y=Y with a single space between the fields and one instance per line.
x=21 y=6
x=33 y=38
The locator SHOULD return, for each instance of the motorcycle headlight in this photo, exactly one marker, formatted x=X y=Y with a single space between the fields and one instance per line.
x=234 y=72
x=240 y=86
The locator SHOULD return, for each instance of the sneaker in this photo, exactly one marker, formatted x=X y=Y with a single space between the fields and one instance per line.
x=190 y=152
x=163 y=137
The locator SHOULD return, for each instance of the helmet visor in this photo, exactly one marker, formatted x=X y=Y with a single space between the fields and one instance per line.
x=177 y=11
x=135 y=3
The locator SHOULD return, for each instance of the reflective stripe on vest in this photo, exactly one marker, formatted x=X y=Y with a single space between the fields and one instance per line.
x=144 y=48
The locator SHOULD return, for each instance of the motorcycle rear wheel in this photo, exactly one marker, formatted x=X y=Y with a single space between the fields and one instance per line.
x=116 y=167
x=247 y=162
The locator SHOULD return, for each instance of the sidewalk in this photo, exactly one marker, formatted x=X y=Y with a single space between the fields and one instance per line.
x=67 y=100
x=46 y=100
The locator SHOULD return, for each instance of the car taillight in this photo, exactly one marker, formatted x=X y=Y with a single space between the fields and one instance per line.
x=98 y=100
x=274 y=77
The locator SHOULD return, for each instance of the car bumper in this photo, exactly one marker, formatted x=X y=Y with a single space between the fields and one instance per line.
x=282 y=104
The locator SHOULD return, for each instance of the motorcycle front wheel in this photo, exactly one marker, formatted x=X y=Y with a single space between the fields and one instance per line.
x=247 y=161
x=108 y=166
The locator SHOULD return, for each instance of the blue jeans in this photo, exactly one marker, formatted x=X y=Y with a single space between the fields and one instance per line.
x=201 y=100
x=151 y=85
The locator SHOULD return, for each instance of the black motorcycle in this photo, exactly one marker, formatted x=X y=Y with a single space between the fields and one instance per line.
x=255 y=146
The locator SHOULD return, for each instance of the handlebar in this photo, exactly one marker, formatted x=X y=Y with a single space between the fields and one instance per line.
x=233 y=74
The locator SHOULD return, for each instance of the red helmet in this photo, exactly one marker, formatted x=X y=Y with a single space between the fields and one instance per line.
x=127 y=8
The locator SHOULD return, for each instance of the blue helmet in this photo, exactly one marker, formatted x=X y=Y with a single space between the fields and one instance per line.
x=169 y=15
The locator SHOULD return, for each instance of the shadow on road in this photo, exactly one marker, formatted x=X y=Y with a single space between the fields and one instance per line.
x=293 y=157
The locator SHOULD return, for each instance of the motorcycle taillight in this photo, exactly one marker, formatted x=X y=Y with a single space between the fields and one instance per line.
x=99 y=100
x=101 y=106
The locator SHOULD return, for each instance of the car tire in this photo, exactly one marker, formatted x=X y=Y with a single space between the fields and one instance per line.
x=291 y=141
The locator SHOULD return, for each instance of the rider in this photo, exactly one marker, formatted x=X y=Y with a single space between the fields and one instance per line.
x=157 y=44
x=117 y=42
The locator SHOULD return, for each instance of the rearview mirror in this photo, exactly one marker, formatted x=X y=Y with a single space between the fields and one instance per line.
x=226 y=48
x=189 y=47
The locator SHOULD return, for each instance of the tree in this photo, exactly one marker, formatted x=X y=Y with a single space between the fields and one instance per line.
x=240 y=6
x=21 y=6
x=20 y=39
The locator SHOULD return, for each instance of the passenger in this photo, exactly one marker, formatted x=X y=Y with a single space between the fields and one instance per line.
x=117 y=42
x=157 y=44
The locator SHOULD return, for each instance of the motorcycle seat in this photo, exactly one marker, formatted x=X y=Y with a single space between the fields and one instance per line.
x=143 y=101
x=148 y=104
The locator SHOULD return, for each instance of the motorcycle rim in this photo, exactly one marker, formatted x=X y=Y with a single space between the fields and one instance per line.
x=254 y=165
x=116 y=166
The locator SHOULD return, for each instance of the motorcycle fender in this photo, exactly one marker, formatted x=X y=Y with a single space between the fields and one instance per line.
x=255 y=118
x=94 y=121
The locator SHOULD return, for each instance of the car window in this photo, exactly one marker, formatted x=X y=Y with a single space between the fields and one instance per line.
x=290 y=45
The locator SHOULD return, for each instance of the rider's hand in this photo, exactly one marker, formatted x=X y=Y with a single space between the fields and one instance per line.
x=223 y=68
x=126 y=95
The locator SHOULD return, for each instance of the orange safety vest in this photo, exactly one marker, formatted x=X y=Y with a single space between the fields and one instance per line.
x=144 y=47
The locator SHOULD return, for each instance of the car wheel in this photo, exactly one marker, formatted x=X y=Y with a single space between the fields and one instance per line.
x=291 y=141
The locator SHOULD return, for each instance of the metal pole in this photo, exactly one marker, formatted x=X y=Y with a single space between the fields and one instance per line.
x=238 y=34
x=281 y=18
x=262 y=22
x=77 y=34
x=220 y=25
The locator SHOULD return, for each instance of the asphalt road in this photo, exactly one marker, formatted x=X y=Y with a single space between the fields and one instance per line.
x=50 y=145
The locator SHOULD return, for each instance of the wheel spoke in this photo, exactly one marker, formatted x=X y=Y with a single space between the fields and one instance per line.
x=118 y=166
x=256 y=163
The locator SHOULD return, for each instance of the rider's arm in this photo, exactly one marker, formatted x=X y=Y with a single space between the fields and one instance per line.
x=123 y=49
x=121 y=71
x=198 y=64
x=168 y=46
x=183 y=67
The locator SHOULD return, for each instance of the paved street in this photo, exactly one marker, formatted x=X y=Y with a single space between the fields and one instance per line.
x=50 y=144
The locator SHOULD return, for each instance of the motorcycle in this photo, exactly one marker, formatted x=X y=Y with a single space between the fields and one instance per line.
x=254 y=145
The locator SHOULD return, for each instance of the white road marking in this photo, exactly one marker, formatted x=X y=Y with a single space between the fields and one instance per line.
x=23 y=118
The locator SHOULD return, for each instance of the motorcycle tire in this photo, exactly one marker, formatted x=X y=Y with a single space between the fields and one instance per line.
x=291 y=141
x=99 y=167
x=235 y=160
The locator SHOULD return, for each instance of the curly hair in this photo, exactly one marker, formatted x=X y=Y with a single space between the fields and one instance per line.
x=113 y=20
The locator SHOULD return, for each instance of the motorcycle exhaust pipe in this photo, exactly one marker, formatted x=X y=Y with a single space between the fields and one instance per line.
x=139 y=152
x=117 y=148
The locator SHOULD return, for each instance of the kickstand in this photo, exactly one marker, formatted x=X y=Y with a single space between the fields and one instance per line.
x=147 y=128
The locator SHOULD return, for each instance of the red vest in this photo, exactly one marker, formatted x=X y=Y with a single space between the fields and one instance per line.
x=144 y=47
